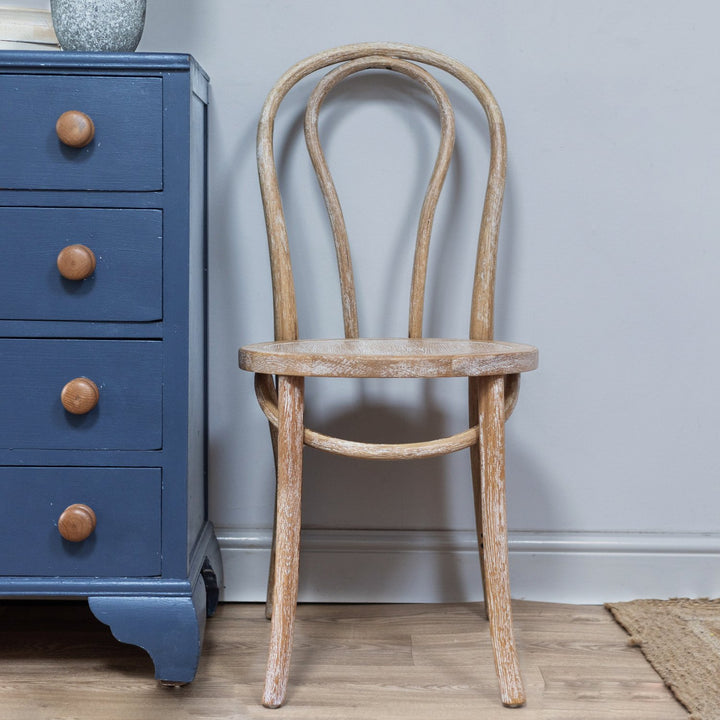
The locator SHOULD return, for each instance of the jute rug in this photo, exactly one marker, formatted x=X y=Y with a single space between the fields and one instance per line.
x=681 y=640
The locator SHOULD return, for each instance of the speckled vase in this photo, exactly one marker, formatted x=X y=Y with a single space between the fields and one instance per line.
x=98 y=25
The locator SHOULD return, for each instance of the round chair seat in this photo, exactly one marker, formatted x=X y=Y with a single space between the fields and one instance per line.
x=388 y=357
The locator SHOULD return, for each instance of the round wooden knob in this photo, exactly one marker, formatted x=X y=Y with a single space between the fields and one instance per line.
x=75 y=129
x=77 y=522
x=80 y=396
x=76 y=262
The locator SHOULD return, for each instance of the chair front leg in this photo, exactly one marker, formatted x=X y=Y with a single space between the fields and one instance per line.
x=287 y=549
x=491 y=409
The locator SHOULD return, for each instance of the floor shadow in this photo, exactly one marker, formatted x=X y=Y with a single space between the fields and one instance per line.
x=43 y=633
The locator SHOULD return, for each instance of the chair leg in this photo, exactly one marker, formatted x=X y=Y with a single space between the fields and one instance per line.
x=287 y=551
x=271 y=569
x=477 y=481
x=491 y=407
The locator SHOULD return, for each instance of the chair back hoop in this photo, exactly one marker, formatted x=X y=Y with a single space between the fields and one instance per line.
x=399 y=58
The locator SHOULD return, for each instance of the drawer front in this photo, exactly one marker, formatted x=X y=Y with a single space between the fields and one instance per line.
x=125 y=286
x=126 y=539
x=128 y=376
x=125 y=154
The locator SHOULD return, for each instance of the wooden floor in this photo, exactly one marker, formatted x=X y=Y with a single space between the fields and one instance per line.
x=369 y=662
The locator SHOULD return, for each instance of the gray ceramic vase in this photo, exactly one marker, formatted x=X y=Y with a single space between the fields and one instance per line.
x=98 y=25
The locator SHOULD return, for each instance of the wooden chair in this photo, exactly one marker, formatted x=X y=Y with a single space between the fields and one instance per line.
x=492 y=367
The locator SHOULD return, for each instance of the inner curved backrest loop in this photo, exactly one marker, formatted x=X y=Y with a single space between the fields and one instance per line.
x=332 y=203
x=285 y=309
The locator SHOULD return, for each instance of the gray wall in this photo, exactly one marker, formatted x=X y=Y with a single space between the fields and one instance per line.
x=609 y=260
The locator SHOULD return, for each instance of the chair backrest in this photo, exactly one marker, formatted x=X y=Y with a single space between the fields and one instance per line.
x=403 y=59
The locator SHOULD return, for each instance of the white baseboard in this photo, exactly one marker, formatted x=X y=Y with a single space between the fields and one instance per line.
x=442 y=566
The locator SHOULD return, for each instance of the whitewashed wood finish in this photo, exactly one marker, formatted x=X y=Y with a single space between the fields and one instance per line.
x=476 y=470
x=512 y=393
x=493 y=545
x=492 y=367
x=274 y=441
x=481 y=322
x=287 y=551
x=427 y=214
x=388 y=358
x=267 y=398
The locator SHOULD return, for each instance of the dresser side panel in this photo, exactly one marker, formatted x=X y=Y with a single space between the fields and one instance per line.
x=176 y=338
x=197 y=319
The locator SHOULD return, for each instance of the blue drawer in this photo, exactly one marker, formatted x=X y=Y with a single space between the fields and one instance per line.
x=126 y=539
x=127 y=282
x=126 y=153
x=128 y=374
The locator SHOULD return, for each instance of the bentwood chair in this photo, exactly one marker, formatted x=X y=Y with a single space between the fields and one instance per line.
x=491 y=367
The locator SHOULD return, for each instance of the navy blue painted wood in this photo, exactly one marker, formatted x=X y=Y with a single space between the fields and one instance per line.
x=126 y=285
x=126 y=151
x=126 y=502
x=45 y=329
x=95 y=63
x=81 y=198
x=205 y=558
x=170 y=629
x=197 y=356
x=127 y=373
x=185 y=437
x=137 y=197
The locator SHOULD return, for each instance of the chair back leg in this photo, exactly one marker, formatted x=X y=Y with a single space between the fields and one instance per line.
x=473 y=416
x=271 y=569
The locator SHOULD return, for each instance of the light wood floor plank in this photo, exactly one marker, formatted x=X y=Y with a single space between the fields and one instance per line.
x=351 y=662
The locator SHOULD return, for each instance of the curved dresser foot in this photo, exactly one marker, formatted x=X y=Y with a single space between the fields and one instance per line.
x=169 y=628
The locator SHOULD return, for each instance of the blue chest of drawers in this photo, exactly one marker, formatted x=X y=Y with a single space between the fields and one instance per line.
x=103 y=470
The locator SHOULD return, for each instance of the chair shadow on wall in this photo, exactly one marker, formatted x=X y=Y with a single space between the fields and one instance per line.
x=364 y=495
x=340 y=492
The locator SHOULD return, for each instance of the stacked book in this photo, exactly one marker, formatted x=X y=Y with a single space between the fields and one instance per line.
x=22 y=29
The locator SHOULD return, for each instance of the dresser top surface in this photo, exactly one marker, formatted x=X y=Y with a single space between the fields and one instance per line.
x=54 y=61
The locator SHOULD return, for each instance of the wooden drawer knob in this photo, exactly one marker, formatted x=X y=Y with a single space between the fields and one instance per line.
x=76 y=262
x=77 y=522
x=80 y=396
x=75 y=129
